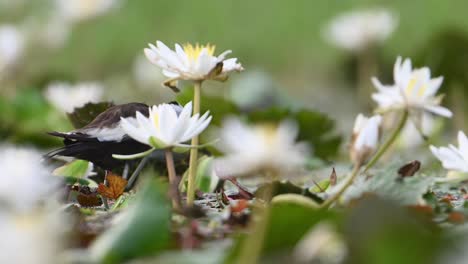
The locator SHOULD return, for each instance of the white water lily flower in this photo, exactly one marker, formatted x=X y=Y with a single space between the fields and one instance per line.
x=260 y=149
x=454 y=158
x=67 y=97
x=32 y=237
x=359 y=30
x=164 y=127
x=413 y=90
x=365 y=137
x=24 y=181
x=11 y=45
x=80 y=10
x=189 y=62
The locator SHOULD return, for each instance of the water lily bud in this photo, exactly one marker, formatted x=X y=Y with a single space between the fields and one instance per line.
x=365 y=137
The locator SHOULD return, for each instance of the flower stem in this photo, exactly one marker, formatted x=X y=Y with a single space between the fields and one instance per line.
x=367 y=67
x=173 y=189
x=389 y=141
x=134 y=176
x=253 y=244
x=350 y=181
x=193 y=151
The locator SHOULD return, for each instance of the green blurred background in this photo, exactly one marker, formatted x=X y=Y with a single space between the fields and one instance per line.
x=279 y=42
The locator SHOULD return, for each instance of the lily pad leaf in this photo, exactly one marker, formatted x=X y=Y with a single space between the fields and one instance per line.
x=218 y=106
x=204 y=181
x=143 y=230
x=387 y=183
x=85 y=114
x=77 y=169
x=287 y=188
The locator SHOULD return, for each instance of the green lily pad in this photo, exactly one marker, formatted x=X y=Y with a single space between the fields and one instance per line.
x=26 y=116
x=85 y=114
x=76 y=169
x=84 y=182
x=288 y=222
x=218 y=106
x=380 y=231
x=204 y=181
x=320 y=187
x=144 y=229
x=287 y=188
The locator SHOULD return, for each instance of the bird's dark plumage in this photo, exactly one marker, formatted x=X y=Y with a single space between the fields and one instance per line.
x=112 y=116
x=102 y=137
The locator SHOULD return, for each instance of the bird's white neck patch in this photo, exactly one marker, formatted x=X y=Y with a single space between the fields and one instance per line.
x=115 y=133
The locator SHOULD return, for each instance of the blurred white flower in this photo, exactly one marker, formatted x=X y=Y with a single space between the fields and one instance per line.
x=260 y=149
x=358 y=30
x=413 y=90
x=80 y=10
x=31 y=223
x=454 y=158
x=25 y=182
x=54 y=33
x=166 y=125
x=67 y=97
x=365 y=137
x=194 y=63
x=11 y=45
x=32 y=237
x=322 y=244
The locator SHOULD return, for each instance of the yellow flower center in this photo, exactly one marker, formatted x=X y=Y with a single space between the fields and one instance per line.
x=268 y=133
x=156 y=120
x=193 y=52
x=422 y=90
x=25 y=221
x=412 y=84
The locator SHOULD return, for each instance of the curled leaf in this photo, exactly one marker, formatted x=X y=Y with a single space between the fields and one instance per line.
x=115 y=188
x=172 y=84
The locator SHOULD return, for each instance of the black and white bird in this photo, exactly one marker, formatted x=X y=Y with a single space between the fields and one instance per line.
x=102 y=137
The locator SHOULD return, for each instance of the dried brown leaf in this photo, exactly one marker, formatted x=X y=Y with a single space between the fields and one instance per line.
x=409 y=169
x=456 y=218
x=88 y=200
x=115 y=188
